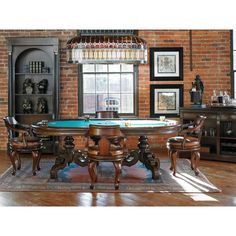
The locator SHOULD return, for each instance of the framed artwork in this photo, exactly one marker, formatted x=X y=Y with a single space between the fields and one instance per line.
x=166 y=64
x=165 y=99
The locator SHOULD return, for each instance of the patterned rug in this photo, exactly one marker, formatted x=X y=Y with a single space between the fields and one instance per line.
x=133 y=179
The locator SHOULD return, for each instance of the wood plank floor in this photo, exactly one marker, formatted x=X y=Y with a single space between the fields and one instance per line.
x=222 y=174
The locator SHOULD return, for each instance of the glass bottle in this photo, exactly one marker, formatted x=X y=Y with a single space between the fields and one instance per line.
x=214 y=97
x=220 y=98
x=226 y=98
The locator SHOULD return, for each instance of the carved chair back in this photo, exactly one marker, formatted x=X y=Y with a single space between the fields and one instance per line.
x=107 y=138
x=106 y=114
x=193 y=129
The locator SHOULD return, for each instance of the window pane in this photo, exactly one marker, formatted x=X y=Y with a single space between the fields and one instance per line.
x=101 y=102
x=127 y=68
x=89 y=83
x=88 y=68
x=114 y=83
x=114 y=67
x=234 y=59
x=127 y=103
x=113 y=102
x=101 y=68
x=127 y=84
x=101 y=83
x=89 y=103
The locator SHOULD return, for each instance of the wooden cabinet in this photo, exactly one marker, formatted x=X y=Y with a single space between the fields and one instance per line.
x=33 y=71
x=219 y=134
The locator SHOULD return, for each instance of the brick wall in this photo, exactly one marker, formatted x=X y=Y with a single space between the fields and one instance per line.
x=210 y=55
x=210 y=58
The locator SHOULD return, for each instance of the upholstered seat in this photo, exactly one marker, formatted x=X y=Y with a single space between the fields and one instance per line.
x=104 y=149
x=183 y=143
x=188 y=140
x=24 y=142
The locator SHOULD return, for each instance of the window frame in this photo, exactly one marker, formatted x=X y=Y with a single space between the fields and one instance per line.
x=80 y=93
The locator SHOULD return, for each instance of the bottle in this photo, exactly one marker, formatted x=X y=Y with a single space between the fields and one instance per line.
x=194 y=89
x=220 y=98
x=226 y=97
x=214 y=97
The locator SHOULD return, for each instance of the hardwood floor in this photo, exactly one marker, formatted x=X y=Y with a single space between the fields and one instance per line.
x=222 y=174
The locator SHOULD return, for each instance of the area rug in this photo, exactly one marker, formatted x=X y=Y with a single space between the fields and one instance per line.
x=133 y=179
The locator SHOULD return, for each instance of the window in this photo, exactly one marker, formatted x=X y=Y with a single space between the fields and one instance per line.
x=108 y=87
x=234 y=61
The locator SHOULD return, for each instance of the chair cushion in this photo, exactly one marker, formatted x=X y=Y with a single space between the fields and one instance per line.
x=180 y=143
x=31 y=143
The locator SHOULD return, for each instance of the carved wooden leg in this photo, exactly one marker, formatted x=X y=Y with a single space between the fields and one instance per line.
x=60 y=163
x=174 y=157
x=149 y=159
x=117 y=165
x=12 y=155
x=38 y=161
x=35 y=155
x=92 y=173
x=197 y=160
x=170 y=152
x=18 y=161
x=192 y=160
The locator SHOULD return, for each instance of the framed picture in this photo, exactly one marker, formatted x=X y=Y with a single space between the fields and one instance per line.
x=166 y=64
x=165 y=99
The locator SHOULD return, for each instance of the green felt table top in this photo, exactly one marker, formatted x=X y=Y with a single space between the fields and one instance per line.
x=122 y=122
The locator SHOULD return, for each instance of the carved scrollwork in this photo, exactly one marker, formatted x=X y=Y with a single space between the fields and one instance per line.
x=152 y=163
x=131 y=159
x=80 y=158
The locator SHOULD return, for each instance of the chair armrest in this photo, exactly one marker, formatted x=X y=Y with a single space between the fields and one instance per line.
x=19 y=129
x=186 y=129
x=22 y=133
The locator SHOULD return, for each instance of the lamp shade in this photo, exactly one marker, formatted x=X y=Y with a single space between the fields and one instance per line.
x=107 y=49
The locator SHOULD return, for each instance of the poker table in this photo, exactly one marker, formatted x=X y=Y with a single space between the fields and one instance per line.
x=130 y=127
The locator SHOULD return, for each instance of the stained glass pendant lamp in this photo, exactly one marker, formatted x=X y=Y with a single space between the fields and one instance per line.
x=107 y=46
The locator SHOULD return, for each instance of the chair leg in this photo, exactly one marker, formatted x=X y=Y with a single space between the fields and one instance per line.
x=92 y=173
x=171 y=159
x=196 y=162
x=18 y=161
x=174 y=155
x=12 y=155
x=35 y=155
x=38 y=161
x=117 y=165
x=192 y=160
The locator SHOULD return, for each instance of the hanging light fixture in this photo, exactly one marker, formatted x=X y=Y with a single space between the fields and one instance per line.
x=107 y=49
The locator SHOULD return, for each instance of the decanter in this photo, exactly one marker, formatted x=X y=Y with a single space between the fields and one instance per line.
x=214 y=97
x=226 y=97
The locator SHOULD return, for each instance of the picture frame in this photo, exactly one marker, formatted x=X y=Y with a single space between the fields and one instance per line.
x=166 y=64
x=165 y=99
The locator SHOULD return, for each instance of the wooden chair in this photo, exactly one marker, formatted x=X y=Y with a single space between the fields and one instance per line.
x=188 y=140
x=106 y=114
x=22 y=141
x=105 y=150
